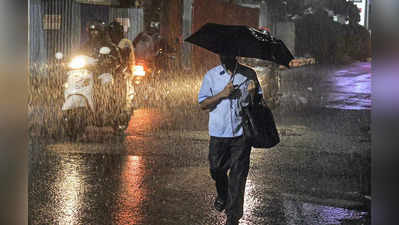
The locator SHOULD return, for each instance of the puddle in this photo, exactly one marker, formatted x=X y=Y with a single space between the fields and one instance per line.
x=298 y=212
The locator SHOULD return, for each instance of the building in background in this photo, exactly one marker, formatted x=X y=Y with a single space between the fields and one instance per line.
x=60 y=25
x=180 y=18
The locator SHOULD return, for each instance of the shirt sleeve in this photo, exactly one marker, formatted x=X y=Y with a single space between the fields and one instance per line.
x=205 y=90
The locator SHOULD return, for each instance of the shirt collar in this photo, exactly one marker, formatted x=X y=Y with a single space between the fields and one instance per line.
x=223 y=71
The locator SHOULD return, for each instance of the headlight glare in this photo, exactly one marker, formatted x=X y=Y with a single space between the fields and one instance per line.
x=139 y=71
x=77 y=62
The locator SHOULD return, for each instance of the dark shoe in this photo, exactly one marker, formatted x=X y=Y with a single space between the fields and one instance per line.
x=232 y=221
x=219 y=204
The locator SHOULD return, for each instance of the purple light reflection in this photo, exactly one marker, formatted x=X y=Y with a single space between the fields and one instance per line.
x=350 y=88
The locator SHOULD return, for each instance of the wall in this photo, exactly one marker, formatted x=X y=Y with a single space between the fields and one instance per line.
x=44 y=43
x=187 y=30
x=171 y=22
x=285 y=31
x=37 y=45
x=135 y=16
x=265 y=19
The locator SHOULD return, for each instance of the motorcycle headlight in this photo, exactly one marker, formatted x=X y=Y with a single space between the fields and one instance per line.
x=139 y=71
x=78 y=62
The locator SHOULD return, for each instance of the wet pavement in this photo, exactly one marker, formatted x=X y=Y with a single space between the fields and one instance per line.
x=318 y=174
x=350 y=88
x=343 y=87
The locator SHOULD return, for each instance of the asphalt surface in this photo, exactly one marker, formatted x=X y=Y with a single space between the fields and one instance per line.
x=343 y=87
x=318 y=174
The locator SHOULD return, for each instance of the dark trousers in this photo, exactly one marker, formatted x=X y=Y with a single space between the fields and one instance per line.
x=233 y=154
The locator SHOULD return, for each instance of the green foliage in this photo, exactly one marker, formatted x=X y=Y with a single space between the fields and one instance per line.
x=330 y=42
x=280 y=10
x=318 y=35
x=358 y=42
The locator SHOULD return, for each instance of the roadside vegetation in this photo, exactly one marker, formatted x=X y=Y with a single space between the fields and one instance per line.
x=319 y=36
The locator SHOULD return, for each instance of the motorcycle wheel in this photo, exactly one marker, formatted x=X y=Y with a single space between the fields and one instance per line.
x=75 y=122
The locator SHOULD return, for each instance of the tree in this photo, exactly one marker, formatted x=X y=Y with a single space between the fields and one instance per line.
x=281 y=10
x=345 y=8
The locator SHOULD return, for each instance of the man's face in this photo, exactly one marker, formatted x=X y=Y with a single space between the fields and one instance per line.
x=228 y=61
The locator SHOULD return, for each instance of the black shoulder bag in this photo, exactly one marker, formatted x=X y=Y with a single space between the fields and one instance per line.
x=258 y=124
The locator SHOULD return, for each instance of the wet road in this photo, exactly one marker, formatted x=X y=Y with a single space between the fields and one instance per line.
x=111 y=189
x=158 y=176
x=344 y=87
x=350 y=88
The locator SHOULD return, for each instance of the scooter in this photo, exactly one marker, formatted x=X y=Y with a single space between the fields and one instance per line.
x=103 y=100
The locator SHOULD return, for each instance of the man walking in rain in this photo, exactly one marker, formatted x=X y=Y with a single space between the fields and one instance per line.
x=224 y=89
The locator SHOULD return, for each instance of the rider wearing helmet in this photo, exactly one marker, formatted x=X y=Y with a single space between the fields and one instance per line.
x=96 y=38
x=125 y=46
x=115 y=30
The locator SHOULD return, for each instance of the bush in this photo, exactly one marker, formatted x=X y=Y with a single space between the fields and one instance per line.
x=329 y=41
x=358 y=42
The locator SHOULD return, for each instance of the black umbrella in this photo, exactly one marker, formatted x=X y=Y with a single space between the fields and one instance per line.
x=241 y=41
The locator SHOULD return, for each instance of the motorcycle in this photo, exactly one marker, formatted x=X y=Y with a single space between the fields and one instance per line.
x=142 y=71
x=145 y=70
x=147 y=51
x=96 y=94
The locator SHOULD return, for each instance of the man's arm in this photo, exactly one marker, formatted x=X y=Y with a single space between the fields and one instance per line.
x=212 y=101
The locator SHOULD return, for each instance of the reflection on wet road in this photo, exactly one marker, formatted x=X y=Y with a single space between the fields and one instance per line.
x=350 y=88
x=114 y=189
x=131 y=191
x=264 y=205
x=95 y=188
x=87 y=189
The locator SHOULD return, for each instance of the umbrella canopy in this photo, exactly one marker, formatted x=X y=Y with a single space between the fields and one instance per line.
x=244 y=41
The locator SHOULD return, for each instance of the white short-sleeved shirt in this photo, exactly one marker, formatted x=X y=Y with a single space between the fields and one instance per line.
x=224 y=118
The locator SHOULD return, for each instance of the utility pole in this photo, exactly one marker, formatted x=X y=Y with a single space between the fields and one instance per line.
x=367 y=15
x=29 y=37
x=265 y=19
x=186 y=31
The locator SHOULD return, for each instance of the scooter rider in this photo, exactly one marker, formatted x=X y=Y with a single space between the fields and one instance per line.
x=115 y=33
x=96 y=38
x=124 y=45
